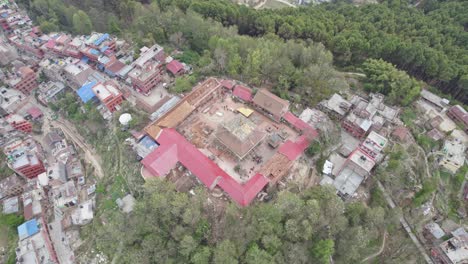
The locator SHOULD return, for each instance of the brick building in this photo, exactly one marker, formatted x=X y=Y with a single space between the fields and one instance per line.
x=23 y=158
x=356 y=126
x=19 y=123
x=24 y=80
x=11 y=186
x=109 y=95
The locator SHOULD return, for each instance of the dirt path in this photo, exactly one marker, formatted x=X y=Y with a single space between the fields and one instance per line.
x=380 y=250
x=92 y=158
x=259 y=5
x=262 y=3
x=405 y=225
x=421 y=150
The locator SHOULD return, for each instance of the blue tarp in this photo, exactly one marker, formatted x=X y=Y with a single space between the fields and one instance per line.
x=104 y=49
x=94 y=51
x=85 y=59
x=101 y=39
x=28 y=229
x=148 y=143
x=86 y=92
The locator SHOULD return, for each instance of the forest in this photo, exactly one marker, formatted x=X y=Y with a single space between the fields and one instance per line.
x=429 y=42
x=174 y=227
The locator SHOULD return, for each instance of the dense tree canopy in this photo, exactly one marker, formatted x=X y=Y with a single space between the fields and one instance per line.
x=384 y=78
x=169 y=226
x=428 y=43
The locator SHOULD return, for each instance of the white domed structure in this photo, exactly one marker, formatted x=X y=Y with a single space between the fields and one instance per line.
x=125 y=118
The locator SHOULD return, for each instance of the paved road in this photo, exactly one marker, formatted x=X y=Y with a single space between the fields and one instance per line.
x=405 y=225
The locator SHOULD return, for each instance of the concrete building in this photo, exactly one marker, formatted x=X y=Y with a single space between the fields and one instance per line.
x=64 y=195
x=10 y=99
x=77 y=74
x=356 y=126
x=359 y=165
x=53 y=69
x=336 y=106
x=48 y=92
x=83 y=214
x=32 y=202
x=459 y=115
x=454 y=155
x=11 y=205
x=373 y=145
x=148 y=69
x=7 y=53
x=109 y=95
x=11 y=186
x=23 y=158
x=354 y=171
x=435 y=230
x=24 y=80
x=34 y=246
x=368 y=115
x=29 y=41
x=456 y=248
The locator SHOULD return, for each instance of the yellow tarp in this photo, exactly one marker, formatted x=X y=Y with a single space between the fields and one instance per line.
x=245 y=111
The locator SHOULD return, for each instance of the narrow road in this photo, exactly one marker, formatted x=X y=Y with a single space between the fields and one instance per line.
x=60 y=240
x=286 y=3
x=262 y=3
x=405 y=225
x=355 y=73
x=380 y=250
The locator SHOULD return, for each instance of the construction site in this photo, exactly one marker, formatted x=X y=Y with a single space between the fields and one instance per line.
x=230 y=144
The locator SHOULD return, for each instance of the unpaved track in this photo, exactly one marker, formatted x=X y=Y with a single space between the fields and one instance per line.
x=92 y=158
x=380 y=250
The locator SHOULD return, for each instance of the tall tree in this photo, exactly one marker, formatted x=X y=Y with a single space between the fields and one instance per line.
x=81 y=23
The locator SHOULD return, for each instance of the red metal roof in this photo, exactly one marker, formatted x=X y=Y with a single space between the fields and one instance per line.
x=115 y=66
x=35 y=112
x=243 y=93
x=175 y=148
x=174 y=67
x=300 y=125
x=227 y=84
x=292 y=150
x=50 y=44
